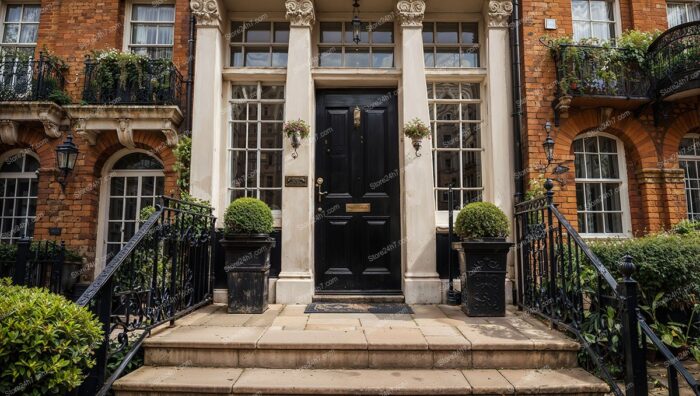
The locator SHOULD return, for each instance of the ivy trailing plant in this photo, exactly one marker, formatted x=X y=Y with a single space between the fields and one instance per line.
x=183 y=159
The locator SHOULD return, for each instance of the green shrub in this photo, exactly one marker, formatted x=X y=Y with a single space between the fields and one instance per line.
x=8 y=253
x=248 y=216
x=686 y=227
x=46 y=341
x=666 y=263
x=183 y=158
x=481 y=220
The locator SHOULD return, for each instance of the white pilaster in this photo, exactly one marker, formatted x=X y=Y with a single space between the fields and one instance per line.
x=295 y=283
x=206 y=168
x=421 y=280
x=499 y=152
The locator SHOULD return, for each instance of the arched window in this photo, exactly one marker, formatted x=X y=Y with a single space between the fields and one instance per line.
x=136 y=180
x=18 y=186
x=601 y=186
x=689 y=159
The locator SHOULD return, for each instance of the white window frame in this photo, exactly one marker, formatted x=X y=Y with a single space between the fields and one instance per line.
x=321 y=48
x=128 y=20
x=680 y=2
x=692 y=212
x=624 y=189
x=3 y=13
x=277 y=213
x=616 y=14
x=15 y=155
x=442 y=216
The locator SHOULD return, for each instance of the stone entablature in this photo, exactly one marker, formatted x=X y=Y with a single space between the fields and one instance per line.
x=90 y=121
x=13 y=113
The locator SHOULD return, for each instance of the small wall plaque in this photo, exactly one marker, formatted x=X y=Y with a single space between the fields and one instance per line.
x=55 y=231
x=296 y=181
x=358 y=208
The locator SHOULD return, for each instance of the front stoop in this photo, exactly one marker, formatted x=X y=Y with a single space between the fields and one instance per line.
x=436 y=350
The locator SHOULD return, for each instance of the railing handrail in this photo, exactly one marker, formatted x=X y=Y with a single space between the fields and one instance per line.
x=662 y=37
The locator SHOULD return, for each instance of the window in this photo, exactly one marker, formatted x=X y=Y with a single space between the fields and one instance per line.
x=451 y=44
x=136 y=181
x=375 y=49
x=601 y=192
x=455 y=114
x=20 y=27
x=689 y=158
x=593 y=19
x=18 y=185
x=255 y=146
x=152 y=30
x=259 y=44
x=682 y=12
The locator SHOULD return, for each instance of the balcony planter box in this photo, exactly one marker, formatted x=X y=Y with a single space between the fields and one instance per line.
x=247 y=267
x=484 y=276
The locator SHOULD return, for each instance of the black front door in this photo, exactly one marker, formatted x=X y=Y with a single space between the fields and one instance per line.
x=358 y=235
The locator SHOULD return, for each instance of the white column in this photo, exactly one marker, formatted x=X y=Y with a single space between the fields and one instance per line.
x=205 y=169
x=499 y=147
x=421 y=281
x=295 y=283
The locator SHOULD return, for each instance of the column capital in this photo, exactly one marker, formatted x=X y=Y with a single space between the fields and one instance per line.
x=499 y=12
x=410 y=12
x=206 y=12
x=300 y=12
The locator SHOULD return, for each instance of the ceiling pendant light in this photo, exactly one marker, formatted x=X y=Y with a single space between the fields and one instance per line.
x=356 y=23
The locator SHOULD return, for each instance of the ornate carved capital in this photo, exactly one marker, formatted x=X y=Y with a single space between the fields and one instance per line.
x=125 y=133
x=411 y=12
x=499 y=12
x=206 y=12
x=8 y=132
x=300 y=12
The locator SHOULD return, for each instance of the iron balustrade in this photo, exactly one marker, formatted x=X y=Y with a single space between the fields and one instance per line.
x=589 y=70
x=156 y=82
x=561 y=280
x=23 y=78
x=41 y=264
x=162 y=273
x=674 y=59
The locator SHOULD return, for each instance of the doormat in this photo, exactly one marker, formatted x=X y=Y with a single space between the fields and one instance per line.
x=358 y=308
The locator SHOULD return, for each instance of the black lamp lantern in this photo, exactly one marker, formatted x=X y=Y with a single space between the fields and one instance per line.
x=356 y=23
x=548 y=143
x=66 y=155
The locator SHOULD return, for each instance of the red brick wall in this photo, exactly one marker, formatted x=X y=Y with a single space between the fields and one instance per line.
x=655 y=187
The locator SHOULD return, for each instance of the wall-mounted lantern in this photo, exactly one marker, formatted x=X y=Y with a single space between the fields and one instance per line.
x=66 y=156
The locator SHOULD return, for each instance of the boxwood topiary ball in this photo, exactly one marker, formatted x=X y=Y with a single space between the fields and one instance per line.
x=481 y=220
x=248 y=216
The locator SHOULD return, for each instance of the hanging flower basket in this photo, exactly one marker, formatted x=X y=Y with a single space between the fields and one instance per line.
x=416 y=130
x=296 y=131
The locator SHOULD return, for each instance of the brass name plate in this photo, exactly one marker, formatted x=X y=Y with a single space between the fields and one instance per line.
x=358 y=208
x=296 y=181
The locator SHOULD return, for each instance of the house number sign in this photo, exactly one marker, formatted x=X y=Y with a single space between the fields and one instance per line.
x=296 y=181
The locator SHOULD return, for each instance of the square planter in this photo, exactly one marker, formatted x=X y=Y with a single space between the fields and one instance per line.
x=484 y=276
x=247 y=267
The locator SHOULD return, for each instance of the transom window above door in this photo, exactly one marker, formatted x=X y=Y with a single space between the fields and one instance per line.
x=680 y=12
x=20 y=27
x=594 y=19
x=259 y=44
x=451 y=44
x=337 y=49
x=152 y=30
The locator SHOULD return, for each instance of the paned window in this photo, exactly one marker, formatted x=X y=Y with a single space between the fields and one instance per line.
x=18 y=185
x=20 y=27
x=593 y=19
x=682 y=12
x=259 y=44
x=451 y=44
x=375 y=49
x=152 y=30
x=689 y=158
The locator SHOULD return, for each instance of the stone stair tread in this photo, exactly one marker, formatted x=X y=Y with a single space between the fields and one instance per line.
x=194 y=380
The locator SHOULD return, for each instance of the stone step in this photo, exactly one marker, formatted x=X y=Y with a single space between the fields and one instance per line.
x=481 y=346
x=158 y=381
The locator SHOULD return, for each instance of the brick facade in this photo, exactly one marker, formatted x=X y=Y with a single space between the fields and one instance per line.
x=655 y=180
x=72 y=29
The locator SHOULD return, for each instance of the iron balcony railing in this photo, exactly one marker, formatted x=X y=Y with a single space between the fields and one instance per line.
x=588 y=70
x=24 y=78
x=150 y=82
x=561 y=280
x=674 y=60
x=162 y=273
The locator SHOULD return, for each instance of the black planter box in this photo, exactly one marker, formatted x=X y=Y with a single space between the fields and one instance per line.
x=247 y=267
x=483 y=281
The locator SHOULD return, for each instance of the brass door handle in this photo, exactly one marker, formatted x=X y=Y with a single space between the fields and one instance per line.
x=319 y=183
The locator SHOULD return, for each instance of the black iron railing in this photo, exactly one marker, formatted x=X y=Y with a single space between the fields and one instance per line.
x=587 y=70
x=23 y=78
x=562 y=280
x=145 y=82
x=162 y=273
x=674 y=59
